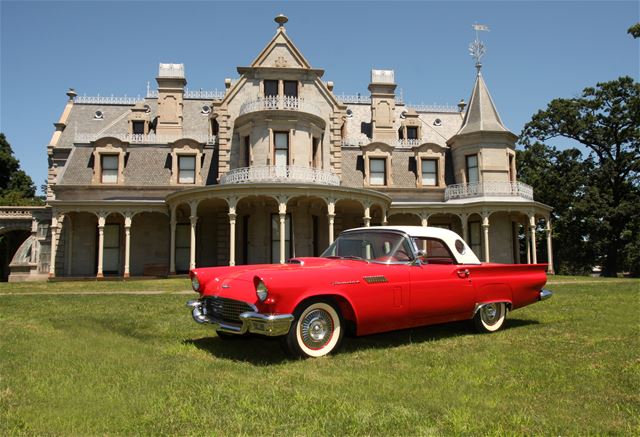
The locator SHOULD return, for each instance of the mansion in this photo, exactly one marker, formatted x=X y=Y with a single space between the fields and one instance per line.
x=274 y=166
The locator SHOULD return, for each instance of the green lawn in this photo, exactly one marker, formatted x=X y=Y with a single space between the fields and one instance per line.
x=138 y=364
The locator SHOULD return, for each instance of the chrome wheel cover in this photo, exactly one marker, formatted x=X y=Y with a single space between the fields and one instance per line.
x=316 y=329
x=491 y=314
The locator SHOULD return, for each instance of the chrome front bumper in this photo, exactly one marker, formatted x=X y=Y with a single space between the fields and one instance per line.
x=545 y=294
x=250 y=322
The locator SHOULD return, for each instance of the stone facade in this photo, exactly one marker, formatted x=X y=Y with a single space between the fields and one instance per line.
x=274 y=166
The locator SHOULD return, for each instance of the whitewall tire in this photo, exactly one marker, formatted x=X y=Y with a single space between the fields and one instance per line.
x=317 y=330
x=490 y=317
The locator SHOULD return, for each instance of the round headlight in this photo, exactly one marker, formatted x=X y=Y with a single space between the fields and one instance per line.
x=261 y=291
x=195 y=283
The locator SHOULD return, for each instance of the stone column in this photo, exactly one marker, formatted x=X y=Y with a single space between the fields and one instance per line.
x=101 y=221
x=127 y=242
x=367 y=214
x=549 y=248
x=465 y=224
x=56 y=225
x=331 y=213
x=232 y=230
x=172 y=250
x=424 y=219
x=516 y=242
x=532 y=228
x=527 y=238
x=282 y=209
x=192 y=245
x=485 y=235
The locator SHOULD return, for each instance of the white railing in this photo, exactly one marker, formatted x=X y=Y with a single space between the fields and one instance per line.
x=354 y=98
x=108 y=100
x=17 y=212
x=279 y=173
x=361 y=99
x=203 y=94
x=279 y=103
x=145 y=139
x=398 y=144
x=489 y=189
x=432 y=108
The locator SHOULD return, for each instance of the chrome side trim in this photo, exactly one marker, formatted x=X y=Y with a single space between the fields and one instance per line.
x=545 y=294
x=252 y=322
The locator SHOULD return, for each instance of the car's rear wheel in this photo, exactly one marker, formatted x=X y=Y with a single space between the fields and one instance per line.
x=490 y=317
x=317 y=330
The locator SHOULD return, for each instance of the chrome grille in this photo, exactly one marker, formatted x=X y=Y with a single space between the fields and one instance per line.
x=226 y=309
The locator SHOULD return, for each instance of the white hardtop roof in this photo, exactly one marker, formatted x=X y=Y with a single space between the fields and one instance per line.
x=449 y=237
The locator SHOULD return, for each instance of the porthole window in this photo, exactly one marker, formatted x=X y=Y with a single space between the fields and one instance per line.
x=349 y=113
x=206 y=109
x=460 y=247
x=437 y=122
x=403 y=114
x=98 y=115
x=147 y=108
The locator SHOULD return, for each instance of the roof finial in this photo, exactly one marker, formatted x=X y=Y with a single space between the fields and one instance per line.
x=281 y=19
x=477 y=48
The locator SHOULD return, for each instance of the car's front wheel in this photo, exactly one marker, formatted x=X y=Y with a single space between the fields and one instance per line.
x=490 y=317
x=317 y=330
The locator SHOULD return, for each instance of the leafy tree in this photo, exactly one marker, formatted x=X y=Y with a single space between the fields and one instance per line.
x=606 y=120
x=560 y=179
x=634 y=30
x=16 y=187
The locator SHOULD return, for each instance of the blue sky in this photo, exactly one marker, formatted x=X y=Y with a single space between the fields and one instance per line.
x=536 y=51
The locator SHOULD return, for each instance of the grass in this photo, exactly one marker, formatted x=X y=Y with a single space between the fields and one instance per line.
x=132 y=365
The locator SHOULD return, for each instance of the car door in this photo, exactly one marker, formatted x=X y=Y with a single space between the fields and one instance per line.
x=440 y=289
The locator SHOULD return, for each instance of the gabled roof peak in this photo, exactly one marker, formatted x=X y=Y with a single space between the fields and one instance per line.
x=481 y=115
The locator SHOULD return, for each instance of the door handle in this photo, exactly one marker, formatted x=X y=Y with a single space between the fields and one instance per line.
x=464 y=273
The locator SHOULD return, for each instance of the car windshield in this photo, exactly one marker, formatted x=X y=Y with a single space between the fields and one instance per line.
x=371 y=246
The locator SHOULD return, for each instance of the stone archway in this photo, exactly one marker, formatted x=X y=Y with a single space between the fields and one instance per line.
x=10 y=240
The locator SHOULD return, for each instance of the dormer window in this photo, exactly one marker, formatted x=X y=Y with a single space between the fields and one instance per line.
x=412 y=132
x=270 y=88
x=137 y=127
x=186 y=169
x=109 y=166
x=378 y=171
x=429 y=172
x=291 y=88
x=186 y=162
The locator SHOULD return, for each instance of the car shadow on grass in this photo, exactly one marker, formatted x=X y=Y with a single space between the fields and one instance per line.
x=261 y=351
x=422 y=334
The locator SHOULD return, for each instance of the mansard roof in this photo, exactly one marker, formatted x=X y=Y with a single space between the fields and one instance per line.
x=482 y=115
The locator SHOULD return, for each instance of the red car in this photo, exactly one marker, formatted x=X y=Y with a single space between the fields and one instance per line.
x=369 y=280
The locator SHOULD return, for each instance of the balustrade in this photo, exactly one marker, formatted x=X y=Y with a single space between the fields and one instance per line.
x=286 y=103
x=279 y=173
x=489 y=189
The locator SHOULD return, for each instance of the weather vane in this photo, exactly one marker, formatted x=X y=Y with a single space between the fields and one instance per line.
x=477 y=48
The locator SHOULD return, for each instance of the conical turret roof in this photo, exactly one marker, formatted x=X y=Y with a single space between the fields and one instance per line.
x=482 y=115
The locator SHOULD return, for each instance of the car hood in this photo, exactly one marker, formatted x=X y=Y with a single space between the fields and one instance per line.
x=238 y=282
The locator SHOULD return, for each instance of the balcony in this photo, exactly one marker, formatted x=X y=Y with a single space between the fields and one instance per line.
x=488 y=189
x=280 y=174
x=276 y=103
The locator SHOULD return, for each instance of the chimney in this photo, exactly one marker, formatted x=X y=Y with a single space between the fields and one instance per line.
x=171 y=83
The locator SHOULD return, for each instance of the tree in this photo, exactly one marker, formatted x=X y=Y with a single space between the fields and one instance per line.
x=606 y=120
x=634 y=30
x=546 y=169
x=16 y=187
